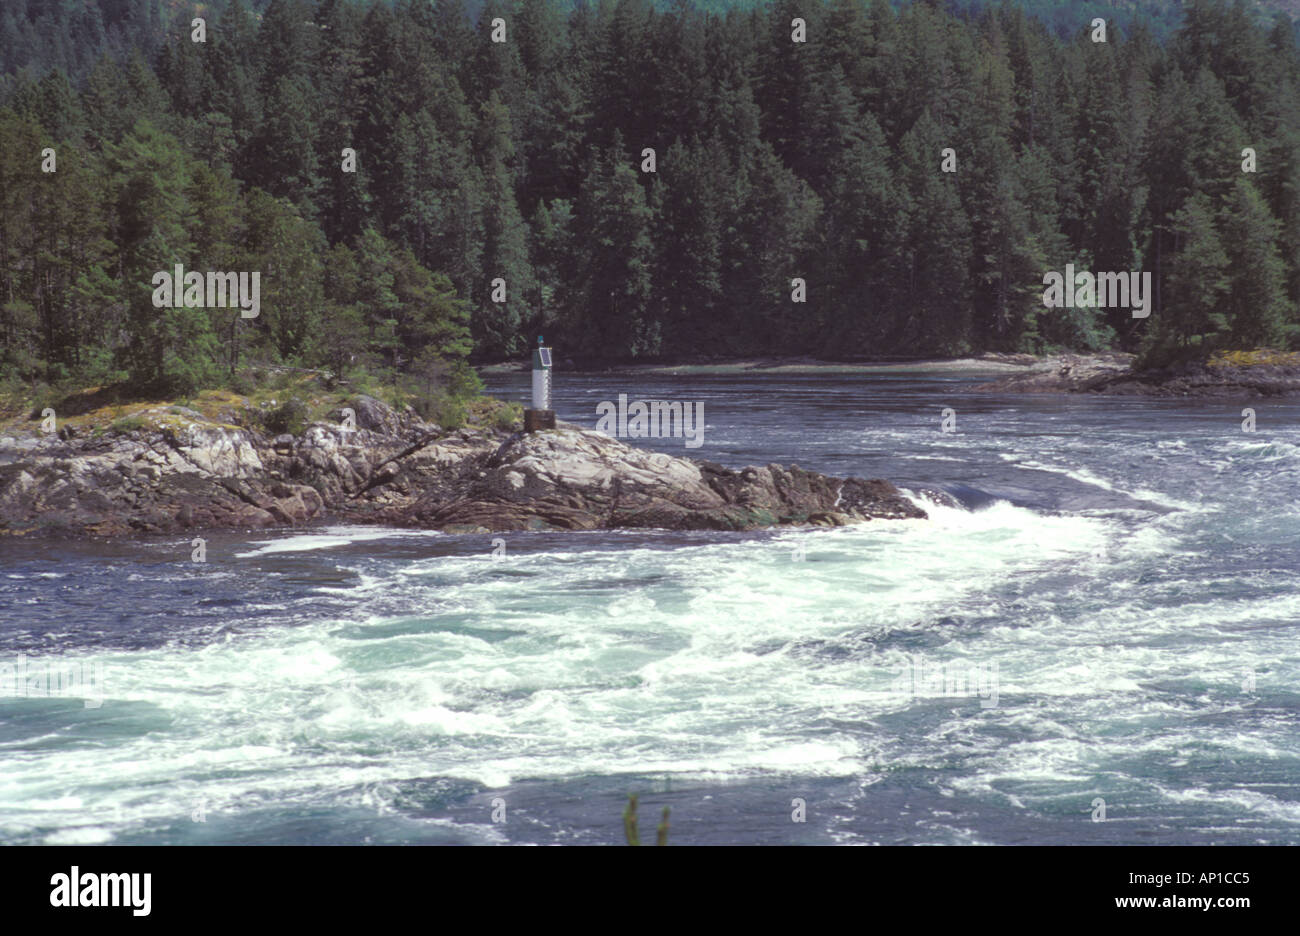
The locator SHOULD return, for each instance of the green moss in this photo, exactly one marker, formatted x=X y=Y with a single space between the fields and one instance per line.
x=508 y=418
x=1260 y=357
x=129 y=424
x=290 y=416
x=445 y=410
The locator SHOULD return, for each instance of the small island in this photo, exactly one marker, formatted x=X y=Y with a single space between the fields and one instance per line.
x=232 y=462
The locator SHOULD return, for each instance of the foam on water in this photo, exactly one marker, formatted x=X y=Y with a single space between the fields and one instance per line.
x=1145 y=655
x=699 y=660
x=329 y=538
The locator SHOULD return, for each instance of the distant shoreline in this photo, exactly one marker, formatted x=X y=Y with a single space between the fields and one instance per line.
x=990 y=363
x=1238 y=374
x=1232 y=375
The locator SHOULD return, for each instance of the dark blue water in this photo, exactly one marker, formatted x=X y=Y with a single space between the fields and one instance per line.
x=1112 y=616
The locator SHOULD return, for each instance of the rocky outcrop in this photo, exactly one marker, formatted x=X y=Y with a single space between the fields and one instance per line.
x=180 y=472
x=199 y=475
x=1066 y=373
x=576 y=479
x=1113 y=373
x=1201 y=379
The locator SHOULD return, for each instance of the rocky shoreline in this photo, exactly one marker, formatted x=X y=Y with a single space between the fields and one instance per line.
x=1234 y=375
x=1260 y=375
x=178 y=471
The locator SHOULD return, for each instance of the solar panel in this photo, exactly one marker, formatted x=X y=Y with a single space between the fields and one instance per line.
x=546 y=356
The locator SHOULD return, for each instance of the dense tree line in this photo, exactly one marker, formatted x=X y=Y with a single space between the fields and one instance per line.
x=500 y=186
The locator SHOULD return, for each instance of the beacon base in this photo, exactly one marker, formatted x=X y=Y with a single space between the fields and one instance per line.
x=535 y=419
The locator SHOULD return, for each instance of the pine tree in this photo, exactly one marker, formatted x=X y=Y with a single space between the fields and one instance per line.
x=377 y=300
x=343 y=323
x=281 y=157
x=1197 y=278
x=615 y=275
x=344 y=197
x=287 y=249
x=167 y=348
x=770 y=237
x=231 y=64
x=1255 y=301
x=553 y=264
x=505 y=250
x=74 y=296
x=861 y=247
x=688 y=240
x=19 y=178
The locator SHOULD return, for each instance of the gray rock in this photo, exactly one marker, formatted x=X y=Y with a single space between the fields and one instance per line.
x=571 y=478
x=394 y=468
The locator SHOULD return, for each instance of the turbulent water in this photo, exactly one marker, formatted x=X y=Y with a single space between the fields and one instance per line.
x=1112 y=616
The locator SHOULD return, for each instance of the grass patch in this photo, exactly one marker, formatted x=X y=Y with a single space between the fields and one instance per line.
x=129 y=424
x=290 y=416
x=276 y=402
x=1260 y=357
x=491 y=413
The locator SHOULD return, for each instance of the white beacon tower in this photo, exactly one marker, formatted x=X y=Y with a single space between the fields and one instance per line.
x=541 y=416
